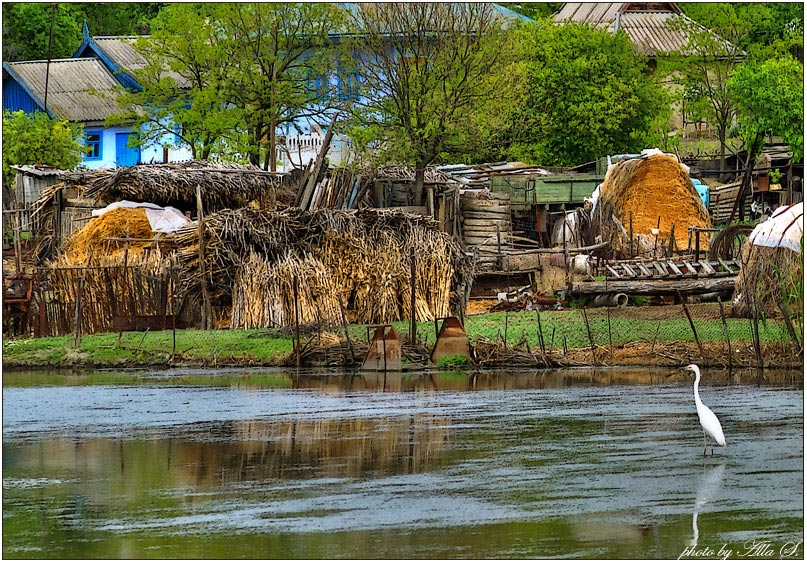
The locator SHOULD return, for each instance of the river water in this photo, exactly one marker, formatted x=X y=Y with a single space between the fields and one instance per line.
x=269 y=464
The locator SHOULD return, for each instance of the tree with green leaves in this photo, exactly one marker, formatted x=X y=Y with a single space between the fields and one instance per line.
x=284 y=50
x=27 y=27
x=770 y=100
x=588 y=93
x=425 y=68
x=223 y=77
x=186 y=83
x=36 y=138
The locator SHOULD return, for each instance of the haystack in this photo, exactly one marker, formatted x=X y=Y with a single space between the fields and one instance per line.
x=657 y=190
x=352 y=260
x=101 y=236
x=772 y=265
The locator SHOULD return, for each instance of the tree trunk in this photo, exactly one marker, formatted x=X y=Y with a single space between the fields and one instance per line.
x=420 y=177
x=745 y=186
x=271 y=150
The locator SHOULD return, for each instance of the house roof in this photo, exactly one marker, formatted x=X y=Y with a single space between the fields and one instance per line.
x=120 y=56
x=649 y=25
x=78 y=89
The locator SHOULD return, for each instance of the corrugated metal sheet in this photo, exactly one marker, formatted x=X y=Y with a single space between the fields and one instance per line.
x=121 y=51
x=648 y=24
x=78 y=89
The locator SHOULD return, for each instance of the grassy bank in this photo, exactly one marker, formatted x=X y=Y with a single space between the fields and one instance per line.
x=577 y=336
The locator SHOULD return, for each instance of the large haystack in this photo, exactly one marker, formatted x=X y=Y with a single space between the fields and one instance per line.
x=657 y=190
x=772 y=265
x=345 y=259
x=101 y=236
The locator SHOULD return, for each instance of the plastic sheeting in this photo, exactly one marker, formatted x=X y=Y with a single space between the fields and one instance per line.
x=162 y=219
x=785 y=228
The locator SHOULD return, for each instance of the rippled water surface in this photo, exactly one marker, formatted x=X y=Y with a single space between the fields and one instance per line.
x=258 y=464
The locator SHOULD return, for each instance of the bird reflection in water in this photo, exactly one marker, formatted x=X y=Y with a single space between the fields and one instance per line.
x=709 y=485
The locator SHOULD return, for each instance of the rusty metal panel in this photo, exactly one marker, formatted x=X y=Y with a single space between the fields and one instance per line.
x=452 y=340
x=384 y=353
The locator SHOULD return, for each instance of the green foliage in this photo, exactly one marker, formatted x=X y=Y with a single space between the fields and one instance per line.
x=452 y=362
x=588 y=93
x=38 y=139
x=26 y=30
x=227 y=75
x=422 y=88
x=770 y=99
x=756 y=28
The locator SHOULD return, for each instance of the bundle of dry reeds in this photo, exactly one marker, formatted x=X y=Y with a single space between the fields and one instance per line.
x=222 y=186
x=108 y=289
x=356 y=260
x=768 y=278
x=657 y=192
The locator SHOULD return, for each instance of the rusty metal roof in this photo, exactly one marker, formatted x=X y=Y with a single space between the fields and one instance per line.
x=78 y=89
x=649 y=25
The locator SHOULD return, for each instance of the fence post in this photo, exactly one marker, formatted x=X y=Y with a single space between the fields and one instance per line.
x=412 y=321
x=590 y=339
x=77 y=317
x=725 y=331
x=691 y=324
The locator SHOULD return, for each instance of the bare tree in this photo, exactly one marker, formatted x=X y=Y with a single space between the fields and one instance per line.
x=424 y=69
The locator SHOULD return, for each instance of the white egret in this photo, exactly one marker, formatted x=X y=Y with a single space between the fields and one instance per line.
x=708 y=419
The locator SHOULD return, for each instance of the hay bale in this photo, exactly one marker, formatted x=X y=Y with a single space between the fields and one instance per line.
x=657 y=189
x=94 y=238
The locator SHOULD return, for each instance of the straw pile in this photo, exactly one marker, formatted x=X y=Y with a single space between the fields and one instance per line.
x=356 y=261
x=659 y=193
x=94 y=239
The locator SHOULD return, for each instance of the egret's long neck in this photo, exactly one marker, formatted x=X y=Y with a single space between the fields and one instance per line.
x=697 y=395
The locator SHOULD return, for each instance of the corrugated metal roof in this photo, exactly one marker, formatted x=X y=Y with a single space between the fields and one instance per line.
x=121 y=51
x=78 y=89
x=649 y=25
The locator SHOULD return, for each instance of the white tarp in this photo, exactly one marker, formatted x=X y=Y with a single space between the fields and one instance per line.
x=162 y=219
x=784 y=228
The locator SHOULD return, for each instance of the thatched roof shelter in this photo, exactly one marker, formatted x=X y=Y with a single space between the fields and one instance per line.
x=655 y=189
x=222 y=186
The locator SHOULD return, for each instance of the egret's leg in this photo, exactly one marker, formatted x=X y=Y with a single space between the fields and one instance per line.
x=704 y=443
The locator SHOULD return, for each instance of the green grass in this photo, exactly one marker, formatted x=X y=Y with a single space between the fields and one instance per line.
x=265 y=347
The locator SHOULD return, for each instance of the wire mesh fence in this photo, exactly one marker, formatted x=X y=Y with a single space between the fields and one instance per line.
x=150 y=316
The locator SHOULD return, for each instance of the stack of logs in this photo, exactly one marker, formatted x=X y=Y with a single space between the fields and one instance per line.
x=486 y=225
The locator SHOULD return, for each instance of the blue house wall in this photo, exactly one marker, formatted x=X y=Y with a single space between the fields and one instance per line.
x=16 y=98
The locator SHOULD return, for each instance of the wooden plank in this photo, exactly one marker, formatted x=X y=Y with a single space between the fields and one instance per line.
x=660 y=270
x=691 y=269
x=629 y=270
x=644 y=270
x=653 y=287
x=726 y=266
x=613 y=272
x=707 y=268
x=675 y=268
